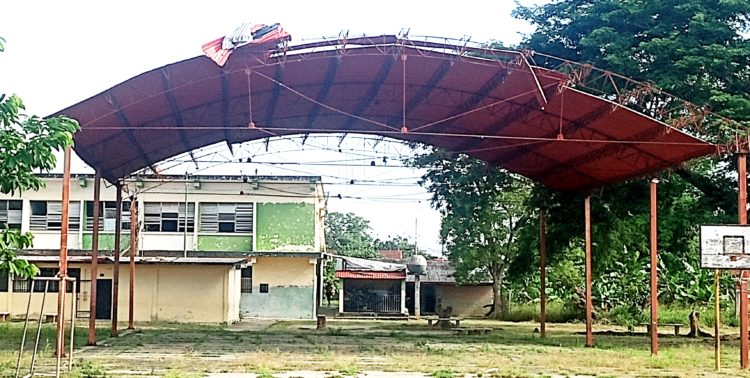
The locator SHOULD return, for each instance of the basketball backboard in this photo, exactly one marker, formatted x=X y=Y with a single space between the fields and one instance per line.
x=725 y=246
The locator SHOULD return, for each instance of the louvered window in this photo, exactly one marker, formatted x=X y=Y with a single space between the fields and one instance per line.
x=10 y=214
x=168 y=217
x=47 y=215
x=107 y=215
x=227 y=217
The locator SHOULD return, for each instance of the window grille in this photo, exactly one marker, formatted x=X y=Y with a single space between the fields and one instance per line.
x=47 y=215
x=107 y=215
x=168 y=217
x=246 y=284
x=226 y=217
x=10 y=214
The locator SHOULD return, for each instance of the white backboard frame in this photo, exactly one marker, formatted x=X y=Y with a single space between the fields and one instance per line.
x=725 y=246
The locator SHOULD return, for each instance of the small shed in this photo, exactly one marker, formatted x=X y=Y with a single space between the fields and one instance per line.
x=370 y=286
x=439 y=289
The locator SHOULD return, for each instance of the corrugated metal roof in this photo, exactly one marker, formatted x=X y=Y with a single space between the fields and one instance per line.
x=361 y=275
x=502 y=110
x=439 y=271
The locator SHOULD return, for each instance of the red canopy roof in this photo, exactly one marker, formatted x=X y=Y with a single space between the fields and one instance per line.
x=490 y=104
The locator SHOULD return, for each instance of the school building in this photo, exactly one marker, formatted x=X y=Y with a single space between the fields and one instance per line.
x=209 y=248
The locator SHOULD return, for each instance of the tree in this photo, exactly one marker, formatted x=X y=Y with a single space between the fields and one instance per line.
x=349 y=235
x=27 y=145
x=399 y=242
x=482 y=210
x=691 y=48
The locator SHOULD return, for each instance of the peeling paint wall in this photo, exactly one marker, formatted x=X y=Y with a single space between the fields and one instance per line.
x=234 y=243
x=291 y=289
x=285 y=226
x=106 y=241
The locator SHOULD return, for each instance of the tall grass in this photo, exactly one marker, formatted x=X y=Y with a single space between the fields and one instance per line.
x=557 y=312
x=560 y=312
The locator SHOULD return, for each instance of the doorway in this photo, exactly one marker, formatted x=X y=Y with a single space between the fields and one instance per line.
x=103 y=299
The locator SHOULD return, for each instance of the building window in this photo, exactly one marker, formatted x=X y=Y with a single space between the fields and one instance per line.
x=3 y=281
x=227 y=217
x=264 y=288
x=246 y=285
x=10 y=214
x=47 y=216
x=168 y=217
x=21 y=285
x=107 y=215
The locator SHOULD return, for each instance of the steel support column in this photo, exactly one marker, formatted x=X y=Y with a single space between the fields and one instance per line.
x=654 y=264
x=63 y=263
x=94 y=260
x=589 y=306
x=133 y=241
x=116 y=270
x=742 y=213
x=543 y=271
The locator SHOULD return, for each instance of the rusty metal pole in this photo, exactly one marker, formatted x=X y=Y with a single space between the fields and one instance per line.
x=654 y=264
x=94 y=260
x=717 y=322
x=543 y=271
x=742 y=212
x=63 y=264
x=133 y=239
x=116 y=270
x=589 y=305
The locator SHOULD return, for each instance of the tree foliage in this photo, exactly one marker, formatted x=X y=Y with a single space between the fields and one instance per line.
x=482 y=210
x=349 y=235
x=693 y=49
x=27 y=145
x=397 y=242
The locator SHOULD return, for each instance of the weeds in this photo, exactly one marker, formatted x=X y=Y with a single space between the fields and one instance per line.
x=443 y=374
x=87 y=369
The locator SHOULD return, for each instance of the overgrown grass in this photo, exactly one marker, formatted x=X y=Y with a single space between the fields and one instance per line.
x=557 y=312
x=513 y=349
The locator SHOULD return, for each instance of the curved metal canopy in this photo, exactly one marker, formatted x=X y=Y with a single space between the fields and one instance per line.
x=491 y=104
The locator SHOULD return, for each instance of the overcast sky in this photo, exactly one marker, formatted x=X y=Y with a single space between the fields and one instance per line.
x=61 y=52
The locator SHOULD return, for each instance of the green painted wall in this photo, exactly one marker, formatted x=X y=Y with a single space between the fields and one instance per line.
x=234 y=243
x=106 y=241
x=294 y=302
x=280 y=226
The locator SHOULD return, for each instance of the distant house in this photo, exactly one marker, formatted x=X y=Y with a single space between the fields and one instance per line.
x=370 y=286
x=377 y=287
x=391 y=254
x=439 y=289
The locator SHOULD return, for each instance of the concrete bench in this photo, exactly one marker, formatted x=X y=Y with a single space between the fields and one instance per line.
x=472 y=331
x=4 y=316
x=455 y=321
x=675 y=325
x=50 y=317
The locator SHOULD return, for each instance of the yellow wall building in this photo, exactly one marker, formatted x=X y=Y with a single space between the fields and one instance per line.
x=209 y=249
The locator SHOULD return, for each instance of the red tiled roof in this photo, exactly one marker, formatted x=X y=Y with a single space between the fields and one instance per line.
x=361 y=275
x=391 y=254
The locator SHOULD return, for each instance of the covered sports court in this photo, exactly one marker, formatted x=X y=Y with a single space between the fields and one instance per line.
x=568 y=126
